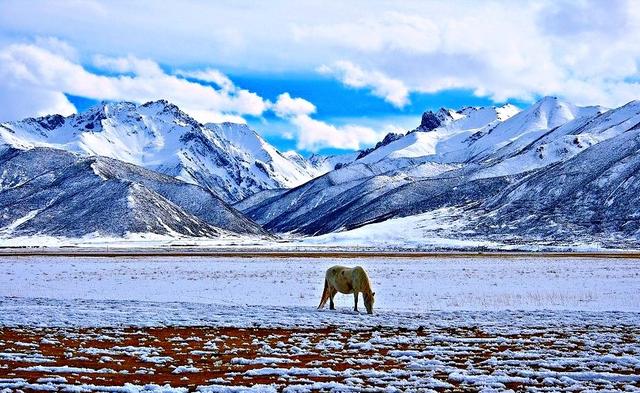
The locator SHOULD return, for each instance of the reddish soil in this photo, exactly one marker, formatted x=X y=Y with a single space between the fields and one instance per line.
x=209 y=352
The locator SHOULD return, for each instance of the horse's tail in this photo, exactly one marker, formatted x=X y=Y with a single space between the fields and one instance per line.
x=325 y=294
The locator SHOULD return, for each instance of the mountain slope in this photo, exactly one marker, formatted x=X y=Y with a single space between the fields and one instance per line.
x=596 y=191
x=446 y=136
x=562 y=142
x=229 y=159
x=46 y=191
x=492 y=187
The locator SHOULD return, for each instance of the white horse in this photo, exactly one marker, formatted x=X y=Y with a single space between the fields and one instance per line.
x=347 y=280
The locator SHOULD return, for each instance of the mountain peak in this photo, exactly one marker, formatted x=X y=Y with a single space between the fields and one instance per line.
x=432 y=120
x=161 y=103
x=229 y=159
x=549 y=103
x=506 y=111
x=549 y=99
x=234 y=125
x=107 y=106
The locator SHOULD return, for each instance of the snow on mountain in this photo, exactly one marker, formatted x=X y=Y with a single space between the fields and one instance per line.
x=473 y=134
x=337 y=199
x=563 y=142
x=444 y=136
x=525 y=127
x=229 y=159
x=326 y=164
x=553 y=171
x=45 y=191
x=594 y=192
x=493 y=176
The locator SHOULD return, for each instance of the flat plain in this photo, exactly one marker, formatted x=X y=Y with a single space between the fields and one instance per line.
x=250 y=324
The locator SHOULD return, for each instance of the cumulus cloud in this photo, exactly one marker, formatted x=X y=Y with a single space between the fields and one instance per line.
x=129 y=64
x=209 y=75
x=287 y=106
x=34 y=81
x=312 y=134
x=391 y=90
x=584 y=51
x=28 y=68
x=17 y=102
x=57 y=46
x=390 y=31
x=494 y=48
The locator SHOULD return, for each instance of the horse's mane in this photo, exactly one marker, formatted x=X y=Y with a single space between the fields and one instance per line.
x=366 y=284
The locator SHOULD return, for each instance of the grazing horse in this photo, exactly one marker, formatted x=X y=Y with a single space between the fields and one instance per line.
x=347 y=280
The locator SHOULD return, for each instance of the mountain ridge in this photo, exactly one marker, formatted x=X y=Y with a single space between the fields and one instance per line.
x=53 y=192
x=414 y=175
x=229 y=159
x=549 y=172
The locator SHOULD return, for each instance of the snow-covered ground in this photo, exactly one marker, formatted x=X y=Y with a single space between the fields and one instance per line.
x=426 y=232
x=401 y=284
x=455 y=351
x=250 y=324
x=430 y=230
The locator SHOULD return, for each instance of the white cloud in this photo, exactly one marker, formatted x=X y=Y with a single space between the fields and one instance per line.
x=57 y=46
x=209 y=75
x=391 y=90
x=29 y=68
x=17 y=102
x=287 y=106
x=312 y=134
x=494 y=48
x=585 y=51
x=129 y=64
x=390 y=31
x=34 y=80
x=497 y=49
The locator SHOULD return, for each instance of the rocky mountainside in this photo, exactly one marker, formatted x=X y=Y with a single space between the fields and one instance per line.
x=553 y=171
x=229 y=159
x=550 y=173
x=45 y=191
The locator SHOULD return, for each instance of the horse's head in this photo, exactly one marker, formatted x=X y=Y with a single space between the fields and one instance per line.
x=369 y=299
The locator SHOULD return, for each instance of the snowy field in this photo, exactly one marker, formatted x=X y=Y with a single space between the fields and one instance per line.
x=401 y=284
x=250 y=324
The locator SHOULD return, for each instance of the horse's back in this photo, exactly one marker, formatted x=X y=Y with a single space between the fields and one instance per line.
x=359 y=270
x=354 y=272
x=335 y=270
x=340 y=278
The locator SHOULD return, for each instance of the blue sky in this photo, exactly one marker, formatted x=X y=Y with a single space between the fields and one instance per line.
x=313 y=76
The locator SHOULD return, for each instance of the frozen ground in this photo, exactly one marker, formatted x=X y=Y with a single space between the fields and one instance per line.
x=432 y=231
x=583 y=352
x=402 y=284
x=233 y=324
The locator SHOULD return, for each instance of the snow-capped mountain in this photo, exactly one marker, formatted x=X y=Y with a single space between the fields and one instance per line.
x=45 y=191
x=473 y=134
x=229 y=159
x=324 y=164
x=548 y=166
x=552 y=172
x=592 y=197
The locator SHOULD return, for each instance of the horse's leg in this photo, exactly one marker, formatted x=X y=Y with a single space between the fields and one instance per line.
x=325 y=294
x=355 y=301
x=331 y=305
